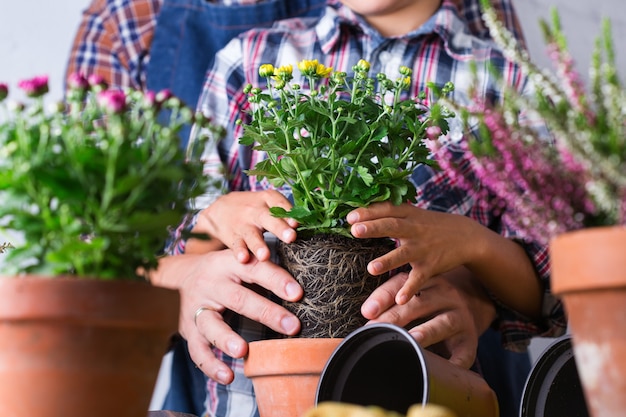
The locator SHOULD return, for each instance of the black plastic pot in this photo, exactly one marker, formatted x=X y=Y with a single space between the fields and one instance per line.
x=553 y=387
x=381 y=364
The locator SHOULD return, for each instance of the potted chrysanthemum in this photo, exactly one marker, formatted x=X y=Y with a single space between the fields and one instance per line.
x=557 y=161
x=335 y=143
x=338 y=143
x=88 y=189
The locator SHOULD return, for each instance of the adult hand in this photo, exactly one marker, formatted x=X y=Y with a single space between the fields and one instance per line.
x=238 y=220
x=214 y=282
x=448 y=314
x=430 y=242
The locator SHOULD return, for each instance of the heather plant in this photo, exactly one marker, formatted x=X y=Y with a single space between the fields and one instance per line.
x=344 y=143
x=92 y=184
x=555 y=159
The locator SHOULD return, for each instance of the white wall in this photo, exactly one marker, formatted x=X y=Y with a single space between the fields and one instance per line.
x=35 y=39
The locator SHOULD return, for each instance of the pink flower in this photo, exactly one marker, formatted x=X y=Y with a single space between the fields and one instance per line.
x=163 y=95
x=78 y=82
x=35 y=87
x=112 y=100
x=4 y=91
x=96 y=80
x=433 y=132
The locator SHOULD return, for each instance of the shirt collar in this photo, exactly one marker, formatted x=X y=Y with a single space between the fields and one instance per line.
x=445 y=23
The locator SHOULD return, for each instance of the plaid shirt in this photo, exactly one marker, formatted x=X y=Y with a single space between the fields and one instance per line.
x=114 y=36
x=440 y=51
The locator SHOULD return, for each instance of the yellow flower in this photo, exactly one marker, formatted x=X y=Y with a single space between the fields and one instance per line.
x=323 y=71
x=284 y=73
x=266 y=70
x=362 y=65
x=311 y=67
x=308 y=66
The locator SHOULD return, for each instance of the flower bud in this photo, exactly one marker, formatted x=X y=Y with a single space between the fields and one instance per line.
x=4 y=91
x=266 y=70
x=113 y=101
x=433 y=132
x=34 y=87
x=308 y=67
x=406 y=71
x=362 y=65
x=97 y=81
x=77 y=82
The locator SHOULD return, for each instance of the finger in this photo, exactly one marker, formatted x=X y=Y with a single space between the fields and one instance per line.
x=435 y=330
x=204 y=358
x=383 y=298
x=463 y=353
x=373 y=211
x=393 y=259
x=240 y=250
x=416 y=280
x=258 y=308
x=211 y=326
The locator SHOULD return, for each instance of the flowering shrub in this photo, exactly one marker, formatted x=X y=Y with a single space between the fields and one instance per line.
x=561 y=165
x=93 y=183
x=346 y=143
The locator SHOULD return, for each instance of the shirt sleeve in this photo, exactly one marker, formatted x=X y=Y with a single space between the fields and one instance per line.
x=113 y=41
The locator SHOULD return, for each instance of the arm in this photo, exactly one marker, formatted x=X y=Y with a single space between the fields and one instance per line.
x=113 y=47
x=434 y=243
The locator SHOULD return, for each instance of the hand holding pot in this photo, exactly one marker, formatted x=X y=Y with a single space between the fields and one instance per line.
x=214 y=282
x=238 y=220
x=450 y=311
x=434 y=242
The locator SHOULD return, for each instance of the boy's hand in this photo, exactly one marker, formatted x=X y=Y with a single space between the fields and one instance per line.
x=430 y=242
x=238 y=219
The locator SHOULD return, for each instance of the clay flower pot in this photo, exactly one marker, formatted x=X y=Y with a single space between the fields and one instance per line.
x=81 y=347
x=285 y=373
x=589 y=273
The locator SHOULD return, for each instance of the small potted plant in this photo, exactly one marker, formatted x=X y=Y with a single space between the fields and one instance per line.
x=341 y=143
x=90 y=187
x=557 y=161
x=336 y=143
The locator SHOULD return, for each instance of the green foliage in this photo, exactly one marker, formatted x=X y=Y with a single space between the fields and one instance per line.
x=348 y=143
x=94 y=184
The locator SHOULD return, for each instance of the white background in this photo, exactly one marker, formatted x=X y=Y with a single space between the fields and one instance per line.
x=36 y=36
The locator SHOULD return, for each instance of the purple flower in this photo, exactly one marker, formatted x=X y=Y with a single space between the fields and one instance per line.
x=35 y=87
x=112 y=100
x=4 y=91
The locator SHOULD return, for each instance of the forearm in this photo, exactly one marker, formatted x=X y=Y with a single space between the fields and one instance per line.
x=505 y=269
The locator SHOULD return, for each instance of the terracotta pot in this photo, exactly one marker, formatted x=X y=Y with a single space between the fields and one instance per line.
x=76 y=347
x=285 y=373
x=589 y=273
x=381 y=364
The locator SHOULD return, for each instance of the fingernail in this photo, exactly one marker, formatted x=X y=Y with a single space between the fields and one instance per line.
x=234 y=347
x=289 y=324
x=402 y=299
x=293 y=290
x=370 y=309
x=359 y=228
x=222 y=377
x=352 y=217
x=375 y=267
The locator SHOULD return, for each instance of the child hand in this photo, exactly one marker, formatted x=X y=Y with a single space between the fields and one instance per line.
x=239 y=218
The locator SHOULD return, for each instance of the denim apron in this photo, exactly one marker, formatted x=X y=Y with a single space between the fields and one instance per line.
x=189 y=33
x=187 y=36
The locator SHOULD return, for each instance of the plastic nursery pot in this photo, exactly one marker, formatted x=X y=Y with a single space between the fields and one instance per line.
x=553 y=387
x=285 y=373
x=381 y=364
x=589 y=274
